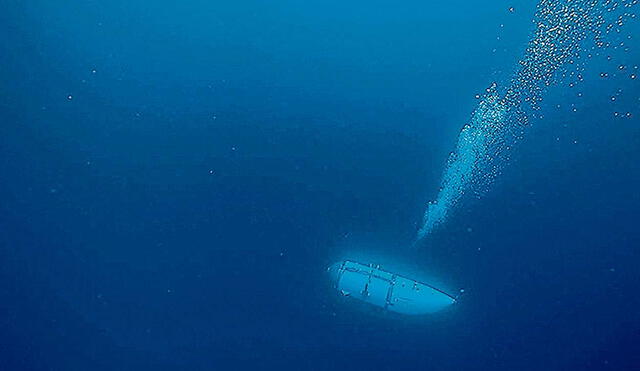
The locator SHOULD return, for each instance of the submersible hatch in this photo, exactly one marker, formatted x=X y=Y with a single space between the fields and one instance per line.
x=388 y=290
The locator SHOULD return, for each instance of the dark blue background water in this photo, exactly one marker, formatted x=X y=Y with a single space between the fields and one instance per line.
x=176 y=177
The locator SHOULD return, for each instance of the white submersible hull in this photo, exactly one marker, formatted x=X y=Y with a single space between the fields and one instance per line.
x=388 y=290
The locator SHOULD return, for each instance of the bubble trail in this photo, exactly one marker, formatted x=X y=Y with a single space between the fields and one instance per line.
x=497 y=124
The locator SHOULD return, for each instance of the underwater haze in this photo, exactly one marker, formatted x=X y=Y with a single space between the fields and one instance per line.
x=177 y=176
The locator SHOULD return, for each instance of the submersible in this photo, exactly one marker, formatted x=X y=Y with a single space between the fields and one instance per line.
x=393 y=292
x=485 y=143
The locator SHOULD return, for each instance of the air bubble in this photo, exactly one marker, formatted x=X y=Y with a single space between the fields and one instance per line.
x=561 y=30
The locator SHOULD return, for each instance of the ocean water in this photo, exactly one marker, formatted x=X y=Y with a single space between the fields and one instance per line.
x=177 y=177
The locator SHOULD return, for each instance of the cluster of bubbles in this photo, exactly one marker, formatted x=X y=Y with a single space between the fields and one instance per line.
x=562 y=31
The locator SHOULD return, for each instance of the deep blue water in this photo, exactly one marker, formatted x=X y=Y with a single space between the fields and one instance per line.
x=177 y=176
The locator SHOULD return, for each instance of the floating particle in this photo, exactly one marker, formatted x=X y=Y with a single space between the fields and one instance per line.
x=69 y=97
